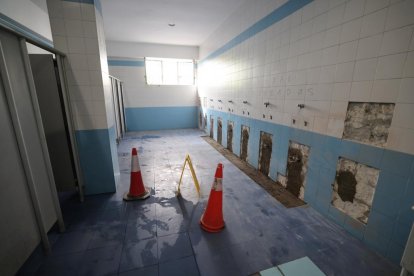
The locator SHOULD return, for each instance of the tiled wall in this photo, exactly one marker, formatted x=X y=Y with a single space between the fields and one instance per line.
x=77 y=29
x=152 y=107
x=323 y=54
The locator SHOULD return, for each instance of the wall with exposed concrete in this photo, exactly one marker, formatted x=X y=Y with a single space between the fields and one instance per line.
x=317 y=73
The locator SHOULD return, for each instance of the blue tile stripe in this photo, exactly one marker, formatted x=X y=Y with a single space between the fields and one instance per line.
x=125 y=62
x=391 y=212
x=97 y=3
x=12 y=24
x=278 y=14
x=159 y=118
x=98 y=160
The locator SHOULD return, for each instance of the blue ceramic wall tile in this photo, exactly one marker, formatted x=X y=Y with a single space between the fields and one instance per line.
x=370 y=155
x=395 y=252
x=397 y=162
x=380 y=224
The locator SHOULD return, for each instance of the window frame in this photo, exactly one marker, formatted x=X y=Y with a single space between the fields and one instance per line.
x=178 y=75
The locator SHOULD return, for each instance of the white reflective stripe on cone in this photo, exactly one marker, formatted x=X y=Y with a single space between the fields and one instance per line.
x=135 y=164
x=218 y=184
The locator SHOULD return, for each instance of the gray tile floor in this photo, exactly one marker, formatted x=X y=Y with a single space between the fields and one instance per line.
x=162 y=236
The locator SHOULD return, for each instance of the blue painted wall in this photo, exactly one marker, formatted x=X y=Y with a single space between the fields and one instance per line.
x=98 y=159
x=158 y=118
x=391 y=216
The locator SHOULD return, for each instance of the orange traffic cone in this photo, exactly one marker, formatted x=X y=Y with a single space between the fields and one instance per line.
x=136 y=188
x=212 y=219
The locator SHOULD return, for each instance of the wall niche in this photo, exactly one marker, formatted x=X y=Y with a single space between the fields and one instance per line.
x=368 y=122
x=230 y=126
x=354 y=188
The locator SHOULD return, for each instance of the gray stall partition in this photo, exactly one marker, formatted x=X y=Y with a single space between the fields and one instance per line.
x=29 y=205
x=54 y=122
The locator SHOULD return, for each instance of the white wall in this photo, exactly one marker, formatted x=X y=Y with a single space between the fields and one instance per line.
x=140 y=50
x=136 y=92
x=324 y=55
x=31 y=13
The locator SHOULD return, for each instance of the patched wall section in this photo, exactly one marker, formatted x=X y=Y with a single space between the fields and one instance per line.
x=297 y=166
x=219 y=131
x=265 y=152
x=245 y=131
x=354 y=188
x=230 y=126
x=368 y=122
x=211 y=127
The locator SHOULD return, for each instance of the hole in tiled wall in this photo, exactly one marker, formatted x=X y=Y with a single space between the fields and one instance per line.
x=245 y=131
x=293 y=121
x=368 y=122
x=265 y=152
x=264 y=116
x=354 y=188
x=297 y=166
x=205 y=121
x=200 y=119
x=211 y=127
x=230 y=125
x=271 y=117
x=243 y=112
x=248 y=113
x=219 y=130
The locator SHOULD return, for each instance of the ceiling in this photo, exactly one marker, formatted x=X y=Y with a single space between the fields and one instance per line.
x=147 y=20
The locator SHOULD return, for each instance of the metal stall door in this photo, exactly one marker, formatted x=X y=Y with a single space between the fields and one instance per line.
x=28 y=200
x=53 y=119
x=115 y=105
x=121 y=108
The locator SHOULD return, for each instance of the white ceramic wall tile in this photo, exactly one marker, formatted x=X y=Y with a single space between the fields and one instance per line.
x=76 y=45
x=73 y=27
x=88 y=12
x=409 y=65
x=354 y=9
x=71 y=10
x=360 y=91
x=374 y=5
x=406 y=91
x=341 y=91
x=332 y=36
x=373 y=23
x=385 y=91
x=60 y=43
x=369 y=47
x=400 y=14
x=396 y=41
x=327 y=74
x=403 y=116
x=338 y=109
x=77 y=61
x=335 y=16
x=347 y=52
x=390 y=66
x=320 y=125
x=329 y=55
x=58 y=26
x=344 y=72
x=365 y=69
x=350 y=30
x=335 y=127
